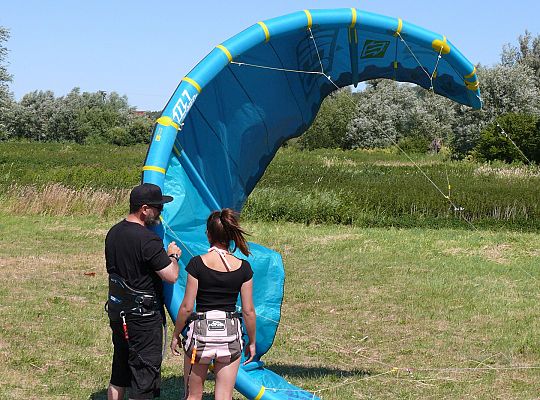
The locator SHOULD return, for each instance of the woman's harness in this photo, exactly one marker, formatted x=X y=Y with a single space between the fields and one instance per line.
x=211 y=326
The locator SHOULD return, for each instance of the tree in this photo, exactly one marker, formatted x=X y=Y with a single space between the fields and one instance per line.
x=504 y=89
x=527 y=53
x=98 y=114
x=496 y=139
x=388 y=112
x=6 y=98
x=30 y=117
x=330 y=126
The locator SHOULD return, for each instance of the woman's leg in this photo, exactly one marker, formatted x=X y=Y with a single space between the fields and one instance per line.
x=194 y=382
x=225 y=378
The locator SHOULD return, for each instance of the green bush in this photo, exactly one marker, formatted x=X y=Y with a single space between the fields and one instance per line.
x=119 y=136
x=522 y=129
x=140 y=129
x=414 y=144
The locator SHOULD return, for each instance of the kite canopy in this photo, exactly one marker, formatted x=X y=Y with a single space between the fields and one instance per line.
x=230 y=114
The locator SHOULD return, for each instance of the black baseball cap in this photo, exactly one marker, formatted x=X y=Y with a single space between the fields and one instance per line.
x=149 y=194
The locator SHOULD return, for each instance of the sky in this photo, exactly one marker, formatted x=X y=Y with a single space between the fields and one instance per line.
x=142 y=49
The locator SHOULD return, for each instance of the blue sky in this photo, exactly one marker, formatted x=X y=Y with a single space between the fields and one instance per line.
x=143 y=48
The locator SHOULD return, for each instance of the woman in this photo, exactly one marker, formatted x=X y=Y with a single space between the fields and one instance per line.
x=214 y=333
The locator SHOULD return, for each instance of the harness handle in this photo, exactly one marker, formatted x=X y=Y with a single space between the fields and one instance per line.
x=124 y=324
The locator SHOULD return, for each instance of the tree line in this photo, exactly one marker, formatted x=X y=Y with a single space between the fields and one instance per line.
x=383 y=114
x=80 y=117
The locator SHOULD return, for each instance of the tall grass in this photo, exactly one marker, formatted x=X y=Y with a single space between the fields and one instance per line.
x=385 y=189
x=72 y=165
x=363 y=188
x=56 y=199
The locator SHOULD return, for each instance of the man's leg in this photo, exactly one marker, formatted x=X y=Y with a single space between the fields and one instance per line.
x=115 y=392
x=145 y=360
x=120 y=376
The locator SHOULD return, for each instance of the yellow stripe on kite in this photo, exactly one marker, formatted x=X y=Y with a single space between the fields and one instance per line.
x=193 y=83
x=353 y=22
x=260 y=394
x=472 y=85
x=167 y=121
x=471 y=74
x=226 y=51
x=309 y=18
x=441 y=46
x=399 y=27
x=154 y=168
x=265 y=29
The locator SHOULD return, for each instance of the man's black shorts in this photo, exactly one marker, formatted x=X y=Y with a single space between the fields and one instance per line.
x=138 y=366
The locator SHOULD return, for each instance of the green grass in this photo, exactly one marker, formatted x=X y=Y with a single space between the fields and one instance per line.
x=368 y=312
x=386 y=189
x=360 y=188
x=73 y=165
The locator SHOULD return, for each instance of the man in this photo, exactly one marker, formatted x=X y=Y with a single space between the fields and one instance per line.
x=137 y=263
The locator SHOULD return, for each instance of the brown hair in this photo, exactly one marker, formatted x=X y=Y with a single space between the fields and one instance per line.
x=223 y=228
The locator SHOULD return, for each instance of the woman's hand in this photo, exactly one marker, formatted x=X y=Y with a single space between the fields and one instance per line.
x=250 y=352
x=174 y=345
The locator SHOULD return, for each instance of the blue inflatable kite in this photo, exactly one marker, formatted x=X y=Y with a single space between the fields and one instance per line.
x=231 y=113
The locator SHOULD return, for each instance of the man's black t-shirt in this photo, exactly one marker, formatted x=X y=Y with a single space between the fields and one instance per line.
x=135 y=253
x=218 y=290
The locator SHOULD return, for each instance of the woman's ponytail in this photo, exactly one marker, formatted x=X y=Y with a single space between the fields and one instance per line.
x=223 y=227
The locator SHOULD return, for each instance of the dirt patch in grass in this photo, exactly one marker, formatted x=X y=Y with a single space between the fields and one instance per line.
x=54 y=267
x=398 y=163
x=337 y=162
x=328 y=239
x=496 y=253
x=455 y=251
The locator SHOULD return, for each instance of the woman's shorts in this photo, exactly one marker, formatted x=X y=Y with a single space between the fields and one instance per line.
x=216 y=337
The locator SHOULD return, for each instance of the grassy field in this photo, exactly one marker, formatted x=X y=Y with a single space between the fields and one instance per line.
x=360 y=188
x=369 y=313
x=439 y=310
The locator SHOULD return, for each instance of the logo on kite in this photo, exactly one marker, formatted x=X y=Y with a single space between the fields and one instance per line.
x=374 y=48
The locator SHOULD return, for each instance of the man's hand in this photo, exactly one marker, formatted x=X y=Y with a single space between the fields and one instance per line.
x=173 y=249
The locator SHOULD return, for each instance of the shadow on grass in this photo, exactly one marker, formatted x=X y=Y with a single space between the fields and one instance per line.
x=296 y=371
x=173 y=388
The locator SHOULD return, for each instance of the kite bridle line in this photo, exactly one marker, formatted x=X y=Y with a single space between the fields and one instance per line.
x=430 y=76
x=515 y=145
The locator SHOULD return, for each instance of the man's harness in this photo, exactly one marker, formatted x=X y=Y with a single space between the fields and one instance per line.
x=124 y=300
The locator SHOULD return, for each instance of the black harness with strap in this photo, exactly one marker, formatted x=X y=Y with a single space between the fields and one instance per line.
x=124 y=300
